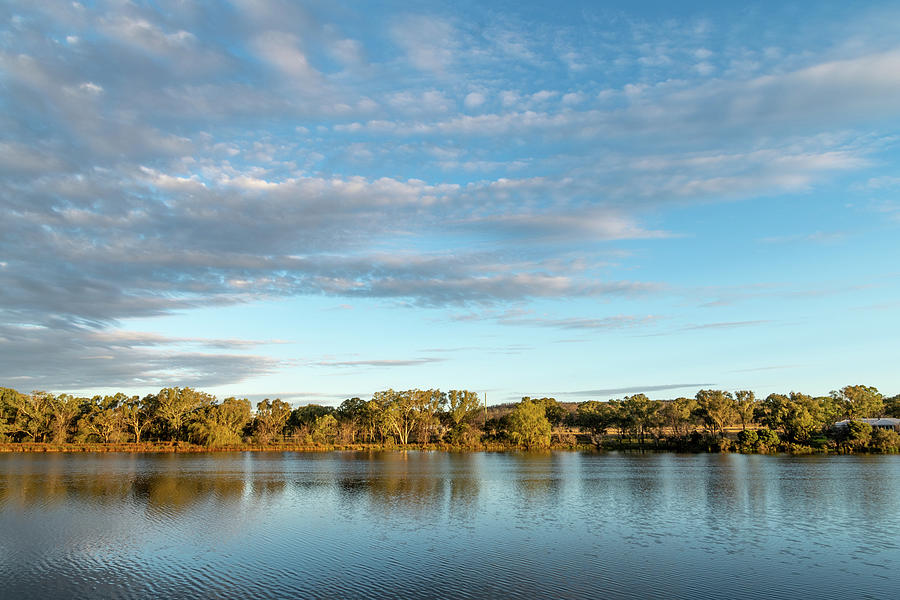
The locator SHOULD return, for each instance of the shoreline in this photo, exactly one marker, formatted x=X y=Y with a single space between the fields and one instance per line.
x=188 y=448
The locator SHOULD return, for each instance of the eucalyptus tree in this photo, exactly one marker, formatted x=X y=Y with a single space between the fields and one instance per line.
x=640 y=414
x=802 y=418
x=429 y=404
x=527 y=424
x=102 y=418
x=63 y=411
x=10 y=401
x=325 y=429
x=745 y=407
x=462 y=406
x=271 y=419
x=221 y=424
x=398 y=411
x=305 y=416
x=32 y=415
x=717 y=408
x=861 y=401
x=173 y=405
x=351 y=416
x=679 y=416
x=595 y=416
x=137 y=415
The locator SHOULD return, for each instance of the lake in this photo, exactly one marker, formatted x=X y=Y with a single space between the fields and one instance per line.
x=448 y=525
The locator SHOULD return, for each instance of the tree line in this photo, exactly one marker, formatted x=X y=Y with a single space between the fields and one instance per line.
x=457 y=418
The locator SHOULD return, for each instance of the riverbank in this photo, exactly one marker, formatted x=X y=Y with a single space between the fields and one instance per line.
x=184 y=447
x=609 y=445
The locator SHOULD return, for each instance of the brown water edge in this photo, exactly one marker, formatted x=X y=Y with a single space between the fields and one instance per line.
x=185 y=447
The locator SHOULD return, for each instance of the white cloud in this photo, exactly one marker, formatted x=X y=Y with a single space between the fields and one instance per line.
x=474 y=100
x=429 y=42
x=282 y=51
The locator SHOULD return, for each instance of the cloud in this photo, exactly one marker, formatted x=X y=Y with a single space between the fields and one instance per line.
x=635 y=390
x=724 y=325
x=65 y=357
x=428 y=42
x=577 y=323
x=387 y=363
x=155 y=161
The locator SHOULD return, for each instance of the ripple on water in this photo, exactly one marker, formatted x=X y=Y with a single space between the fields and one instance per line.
x=431 y=525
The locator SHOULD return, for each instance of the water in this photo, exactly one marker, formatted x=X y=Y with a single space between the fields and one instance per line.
x=440 y=525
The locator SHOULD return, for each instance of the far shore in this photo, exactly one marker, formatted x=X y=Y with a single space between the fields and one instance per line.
x=611 y=445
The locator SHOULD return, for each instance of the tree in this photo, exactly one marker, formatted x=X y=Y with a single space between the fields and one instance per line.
x=595 y=416
x=351 y=415
x=745 y=406
x=716 y=407
x=271 y=419
x=305 y=416
x=31 y=415
x=101 y=418
x=463 y=406
x=221 y=424
x=324 y=430
x=63 y=410
x=137 y=415
x=892 y=406
x=678 y=416
x=858 y=433
x=861 y=401
x=640 y=413
x=399 y=412
x=428 y=404
x=174 y=404
x=528 y=425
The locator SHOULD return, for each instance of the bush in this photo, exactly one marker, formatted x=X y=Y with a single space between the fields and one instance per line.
x=768 y=440
x=885 y=440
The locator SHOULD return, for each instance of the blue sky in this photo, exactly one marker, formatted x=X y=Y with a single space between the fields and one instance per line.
x=319 y=200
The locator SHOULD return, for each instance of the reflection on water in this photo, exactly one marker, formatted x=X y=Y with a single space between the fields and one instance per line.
x=432 y=524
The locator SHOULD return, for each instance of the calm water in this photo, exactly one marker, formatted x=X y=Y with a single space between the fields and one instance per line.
x=437 y=525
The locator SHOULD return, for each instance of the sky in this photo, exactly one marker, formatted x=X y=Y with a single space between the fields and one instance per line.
x=319 y=200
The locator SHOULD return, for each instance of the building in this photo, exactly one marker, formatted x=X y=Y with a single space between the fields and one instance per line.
x=882 y=423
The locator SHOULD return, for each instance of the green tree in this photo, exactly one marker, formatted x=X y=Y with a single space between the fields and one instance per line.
x=325 y=429
x=748 y=440
x=221 y=424
x=173 y=405
x=305 y=416
x=595 y=416
x=137 y=415
x=428 y=405
x=678 y=416
x=463 y=406
x=102 y=419
x=32 y=415
x=861 y=401
x=271 y=419
x=528 y=425
x=768 y=439
x=858 y=433
x=640 y=413
x=885 y=440
x=63 y=410
x=717 y=409
x=745 y=407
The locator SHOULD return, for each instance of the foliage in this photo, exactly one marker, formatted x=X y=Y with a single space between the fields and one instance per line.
x=794 y=422
x=221 y=424
x=325 y=429
x=860 y=401
x=716 y=408
x=528 y=424
x=271 y=419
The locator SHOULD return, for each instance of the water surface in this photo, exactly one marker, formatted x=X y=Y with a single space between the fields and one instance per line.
x=444 y=525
